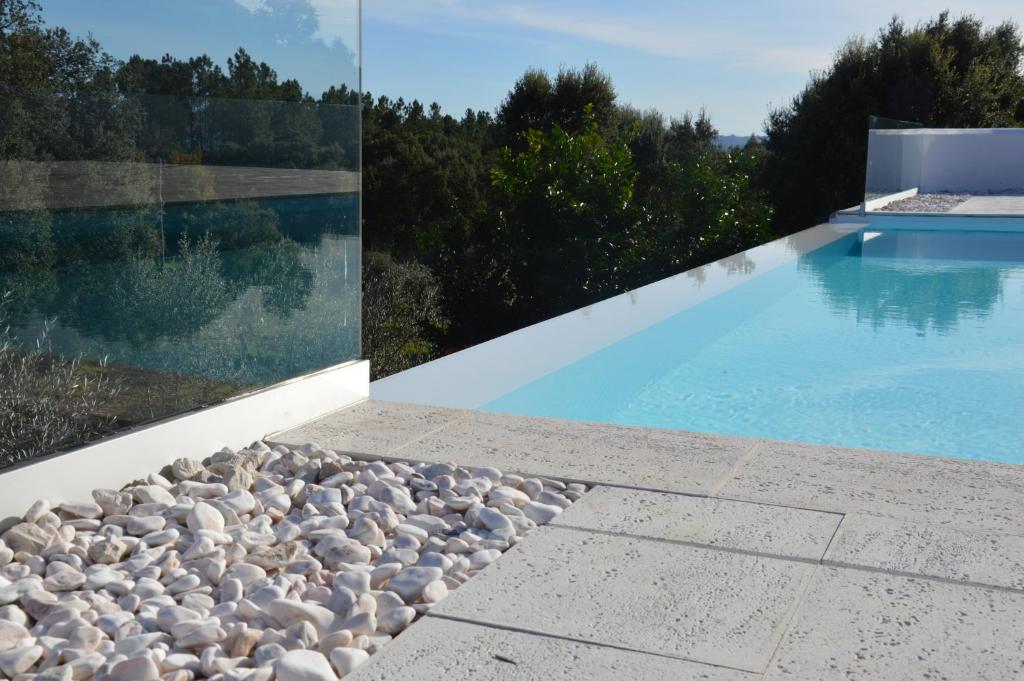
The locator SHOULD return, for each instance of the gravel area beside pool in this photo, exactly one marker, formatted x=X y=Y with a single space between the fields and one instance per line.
x=295 y=564
x=926 y=203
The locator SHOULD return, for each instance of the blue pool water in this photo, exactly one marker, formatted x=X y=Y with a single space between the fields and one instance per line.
x=903 y=341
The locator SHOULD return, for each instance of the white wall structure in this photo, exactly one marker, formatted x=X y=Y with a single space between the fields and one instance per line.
x=117 y=460
x=894 y=161
x=965 y=160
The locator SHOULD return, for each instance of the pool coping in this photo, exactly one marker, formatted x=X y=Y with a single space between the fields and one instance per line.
x=477 y=375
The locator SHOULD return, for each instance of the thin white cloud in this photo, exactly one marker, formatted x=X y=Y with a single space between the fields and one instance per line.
x=666 y=38
x=253 y=5
x=336 y=20
x=767 y=44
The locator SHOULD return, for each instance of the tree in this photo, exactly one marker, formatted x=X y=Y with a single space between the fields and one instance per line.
x=424 y=180
x=943 y=73
x=536 y=102
x=562 y=218
x=402 y=314
x=16 y=15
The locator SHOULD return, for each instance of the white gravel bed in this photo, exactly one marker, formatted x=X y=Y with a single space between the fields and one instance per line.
x=926 y=203
x=261 y=564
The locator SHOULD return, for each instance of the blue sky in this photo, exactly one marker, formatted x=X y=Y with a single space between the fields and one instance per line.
x=736 y=58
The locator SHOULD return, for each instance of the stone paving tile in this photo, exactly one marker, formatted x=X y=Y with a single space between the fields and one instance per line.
x=936 y=490
x=667 y=460
x=705 y=605
x=759 y=528
x=871 y=626
x=991 y=205
x=436 y=648
x=371 y=427
x=993 y=558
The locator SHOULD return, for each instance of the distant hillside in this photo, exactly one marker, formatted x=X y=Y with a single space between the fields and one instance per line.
x=730 y=141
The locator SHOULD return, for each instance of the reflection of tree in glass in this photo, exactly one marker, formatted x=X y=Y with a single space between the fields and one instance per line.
x=172 y=299
x=246 y=116
x=927 y=296
x=285 y=282
x=253 y=252
x=58 y=96
x=233 y=225
x=27 y=254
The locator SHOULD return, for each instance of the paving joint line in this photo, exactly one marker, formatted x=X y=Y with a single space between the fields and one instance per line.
x=928 y=578
x=560 y=637
x=691 y=544
x=457 y=419
x=792 y=559
x=696 y=495
x=394 y=457
x=831 y=540
x=736 y=467
x=801 y=598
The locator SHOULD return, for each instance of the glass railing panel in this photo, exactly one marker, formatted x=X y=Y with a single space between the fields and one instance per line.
x=178 y=224
x=894 y=161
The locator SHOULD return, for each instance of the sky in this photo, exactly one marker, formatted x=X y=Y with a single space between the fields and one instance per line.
x=313 y=41
x=735 y=58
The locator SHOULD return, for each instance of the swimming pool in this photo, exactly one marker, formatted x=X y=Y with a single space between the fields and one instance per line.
x=899 y=340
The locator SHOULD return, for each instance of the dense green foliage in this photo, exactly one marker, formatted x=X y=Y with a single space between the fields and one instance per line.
x=942 y=73
x=564 y=221
x=562 y=198
x=402 y=314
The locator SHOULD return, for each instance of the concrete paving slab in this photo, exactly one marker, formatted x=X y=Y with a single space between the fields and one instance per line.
x=700 y=604
x=991 y=205
x=436 y=648
x=371 y=427
x=926 y=489
x=759 y=528
x=871 y=626
x=665 y=460
x=977 y=556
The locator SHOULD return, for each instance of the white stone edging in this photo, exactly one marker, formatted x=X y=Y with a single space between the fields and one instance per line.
x=882 y=201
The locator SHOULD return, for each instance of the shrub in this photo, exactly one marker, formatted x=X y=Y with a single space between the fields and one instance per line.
x=47 y=402
x=402 y=314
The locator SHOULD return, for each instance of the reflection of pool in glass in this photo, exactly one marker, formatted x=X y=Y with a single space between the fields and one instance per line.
x=270 y=294
x=905 y=341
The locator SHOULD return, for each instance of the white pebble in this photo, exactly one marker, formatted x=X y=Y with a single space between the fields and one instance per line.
x=345 y=660
x=300 y=562
x=304 y=665
x=410 y=582
x=203 y=516
x=395 y=620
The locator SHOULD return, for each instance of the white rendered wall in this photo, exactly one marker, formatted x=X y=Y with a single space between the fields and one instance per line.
x=117 y=460
x=894 y=162
x=978 y=161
